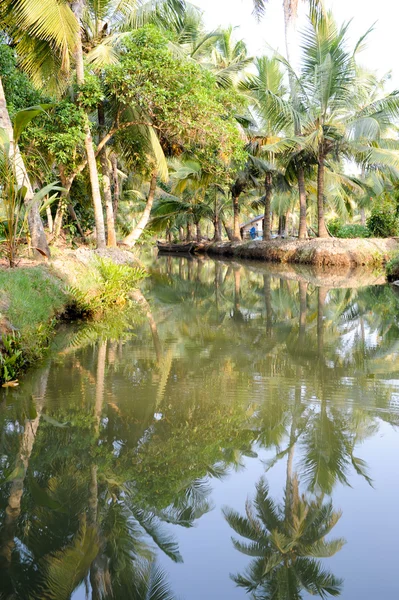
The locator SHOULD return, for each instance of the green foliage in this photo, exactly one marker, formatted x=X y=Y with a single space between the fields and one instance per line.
x=11 y=359
x=334 y=226
x=58 y=136
x=90 y=93
x=383 y=221
x=114 y=284
x=182 y=101
x=354 y=230
x=18 y=90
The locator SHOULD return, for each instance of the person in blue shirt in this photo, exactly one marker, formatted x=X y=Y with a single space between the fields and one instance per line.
x=252 y=232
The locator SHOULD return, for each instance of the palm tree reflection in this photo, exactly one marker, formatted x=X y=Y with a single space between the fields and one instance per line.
x=286 y=542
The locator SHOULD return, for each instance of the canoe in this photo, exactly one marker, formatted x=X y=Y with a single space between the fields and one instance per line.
x=176 y=248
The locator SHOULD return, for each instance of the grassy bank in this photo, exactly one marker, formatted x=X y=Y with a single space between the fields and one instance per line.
x=345 y=253
x=34 y=299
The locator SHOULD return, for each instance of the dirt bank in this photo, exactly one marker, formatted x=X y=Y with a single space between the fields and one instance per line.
x=344 y=253
x=332 y=277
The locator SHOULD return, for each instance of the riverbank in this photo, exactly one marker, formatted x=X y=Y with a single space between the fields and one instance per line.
x=35 y=297
x=330 y=252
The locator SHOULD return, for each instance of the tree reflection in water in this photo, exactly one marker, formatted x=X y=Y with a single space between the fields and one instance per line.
x=286 y=542
x=120 y=436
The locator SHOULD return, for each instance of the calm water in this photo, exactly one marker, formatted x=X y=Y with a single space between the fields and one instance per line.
x=128 y=461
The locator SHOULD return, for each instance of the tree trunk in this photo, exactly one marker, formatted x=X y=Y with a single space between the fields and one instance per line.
x=181 y=234
x=237 y=292
x=77 y=8
x=362 y=217
x=50 y=221
x=199 y=233
x=321 y=300
x=132 y=238
x=36 y=229
x=321 y=226
x=286 y=222
x=229 y=231
x=236 y=219
x=217 y=234
x=303 y=231
x=303 y=287
x=63 y=202
x=189 y=237
x=74 y=216
x=268 y=200
x=268 y=303
x=105 y=170
x=115 y=178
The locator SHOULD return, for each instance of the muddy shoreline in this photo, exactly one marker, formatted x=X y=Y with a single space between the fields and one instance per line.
x=331 y=252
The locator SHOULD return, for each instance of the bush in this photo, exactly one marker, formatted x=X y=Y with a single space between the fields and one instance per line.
x=353 y=231
x=114 y=283
x=383 y=221
x=11 y=359
x=334 y=226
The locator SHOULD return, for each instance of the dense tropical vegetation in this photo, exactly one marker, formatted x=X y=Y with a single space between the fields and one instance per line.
x=145 y=122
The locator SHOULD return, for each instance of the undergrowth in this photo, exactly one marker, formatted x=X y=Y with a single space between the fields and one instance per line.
x=113 y=285
x=11 y=356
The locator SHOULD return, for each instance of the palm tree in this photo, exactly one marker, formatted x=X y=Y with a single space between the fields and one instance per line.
x=266 y=86
x=285 y=541
x=337 y=125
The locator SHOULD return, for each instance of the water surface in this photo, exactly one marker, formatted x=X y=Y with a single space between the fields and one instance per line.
x=128 y=459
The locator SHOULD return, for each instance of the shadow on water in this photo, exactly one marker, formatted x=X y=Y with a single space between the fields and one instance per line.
x=114 y=446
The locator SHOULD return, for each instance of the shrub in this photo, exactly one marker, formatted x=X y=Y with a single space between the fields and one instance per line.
x=334 y=226
x=114 y=283
x=353 y=231
x=383 y=221
x=11 y=358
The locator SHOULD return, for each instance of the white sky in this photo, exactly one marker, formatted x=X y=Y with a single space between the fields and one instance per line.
x=380 y=55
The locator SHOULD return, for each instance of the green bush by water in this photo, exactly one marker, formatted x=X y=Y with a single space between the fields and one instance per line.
x=11 y=357
x=350 y=231
x=353 y=231
x=113 y=284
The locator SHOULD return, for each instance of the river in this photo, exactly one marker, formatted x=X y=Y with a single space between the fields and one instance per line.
x=240 y=427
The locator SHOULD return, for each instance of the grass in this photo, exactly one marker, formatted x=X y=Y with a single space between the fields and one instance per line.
x=33 y=299
x=32 y=295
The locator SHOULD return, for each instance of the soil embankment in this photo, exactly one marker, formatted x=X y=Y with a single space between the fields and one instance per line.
x=343 y=253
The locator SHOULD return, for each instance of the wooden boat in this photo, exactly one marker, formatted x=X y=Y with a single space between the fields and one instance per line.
x=186 y=248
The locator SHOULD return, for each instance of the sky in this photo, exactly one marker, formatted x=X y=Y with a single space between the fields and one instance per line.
x=381 y=54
